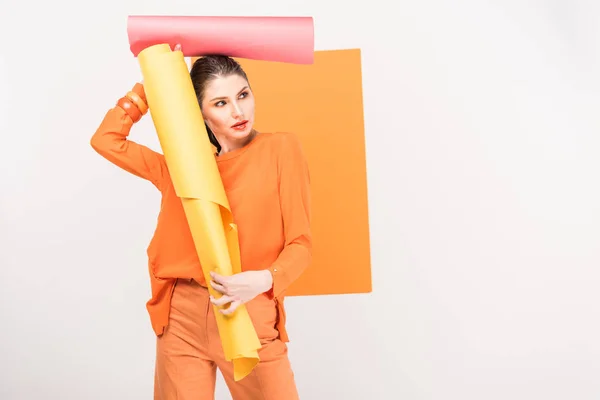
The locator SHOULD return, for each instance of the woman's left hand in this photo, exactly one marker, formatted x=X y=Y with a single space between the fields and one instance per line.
x=239 y=288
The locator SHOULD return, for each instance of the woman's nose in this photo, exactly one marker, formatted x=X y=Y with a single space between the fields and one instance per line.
x=237 y=110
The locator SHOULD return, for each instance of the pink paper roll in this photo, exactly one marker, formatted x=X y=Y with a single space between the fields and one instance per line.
x=282 y=39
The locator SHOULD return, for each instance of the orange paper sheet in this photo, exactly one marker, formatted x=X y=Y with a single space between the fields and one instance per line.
x=322 y=103
x=189 y=156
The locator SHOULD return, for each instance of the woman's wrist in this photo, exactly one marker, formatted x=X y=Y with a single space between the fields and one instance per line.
x=134 y=103
x=137 y=100
x=268 y=283
x=130 y=109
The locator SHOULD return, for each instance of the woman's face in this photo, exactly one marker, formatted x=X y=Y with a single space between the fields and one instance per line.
x=228 y=108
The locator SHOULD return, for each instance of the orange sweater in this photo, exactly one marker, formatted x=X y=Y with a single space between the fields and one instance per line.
x=267 y=185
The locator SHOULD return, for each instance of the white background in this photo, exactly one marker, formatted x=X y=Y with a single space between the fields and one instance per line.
x=483 y=138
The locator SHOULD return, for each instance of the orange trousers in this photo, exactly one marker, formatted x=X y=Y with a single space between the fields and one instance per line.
x=189 y=352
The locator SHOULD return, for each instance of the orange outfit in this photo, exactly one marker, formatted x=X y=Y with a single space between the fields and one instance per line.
x=189 y=352
x=267 y=185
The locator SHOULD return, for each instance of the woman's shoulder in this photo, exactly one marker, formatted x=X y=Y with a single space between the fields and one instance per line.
x=284 y=148
x=282 y=141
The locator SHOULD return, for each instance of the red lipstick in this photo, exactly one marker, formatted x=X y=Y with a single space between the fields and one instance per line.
x=240 y=126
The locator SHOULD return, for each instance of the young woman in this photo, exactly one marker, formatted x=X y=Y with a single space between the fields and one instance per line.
x=266 y=179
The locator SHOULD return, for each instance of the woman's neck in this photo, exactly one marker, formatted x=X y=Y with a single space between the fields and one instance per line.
x=228 y=146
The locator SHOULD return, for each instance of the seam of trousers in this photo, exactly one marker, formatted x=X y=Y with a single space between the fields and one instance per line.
x=208 y=304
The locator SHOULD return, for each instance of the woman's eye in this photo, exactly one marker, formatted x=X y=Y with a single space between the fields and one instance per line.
x=220 y=103
x=243 y=94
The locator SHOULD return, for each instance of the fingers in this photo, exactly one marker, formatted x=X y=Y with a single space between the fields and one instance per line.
x=219 y=288
x=221 y=301
x=219 y=282
x=233 y=302
x=177 y=47
x=222 y=284
x=232 y=307
x=218 y=278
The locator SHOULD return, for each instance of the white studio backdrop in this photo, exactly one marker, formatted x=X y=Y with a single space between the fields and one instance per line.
x=482 y=135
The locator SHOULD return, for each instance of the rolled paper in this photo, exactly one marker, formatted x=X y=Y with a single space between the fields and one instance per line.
x=189 y=156
x=282 y=39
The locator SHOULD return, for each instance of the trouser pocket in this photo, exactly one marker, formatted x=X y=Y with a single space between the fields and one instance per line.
x=263 y=313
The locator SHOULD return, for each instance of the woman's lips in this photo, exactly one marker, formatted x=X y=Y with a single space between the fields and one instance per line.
x=240 y=126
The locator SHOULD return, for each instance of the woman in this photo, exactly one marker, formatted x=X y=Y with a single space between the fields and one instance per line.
x=266 y=180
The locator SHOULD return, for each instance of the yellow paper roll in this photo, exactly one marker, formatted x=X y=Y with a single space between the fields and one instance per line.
x=189 y=156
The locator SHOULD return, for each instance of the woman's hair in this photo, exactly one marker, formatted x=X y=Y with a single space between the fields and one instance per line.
x=208 y=68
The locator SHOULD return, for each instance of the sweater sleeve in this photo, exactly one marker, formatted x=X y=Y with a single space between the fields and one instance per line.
x=294 y=193
x=111 y=141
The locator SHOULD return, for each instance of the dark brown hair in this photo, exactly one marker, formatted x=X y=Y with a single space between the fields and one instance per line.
x=208 y=68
